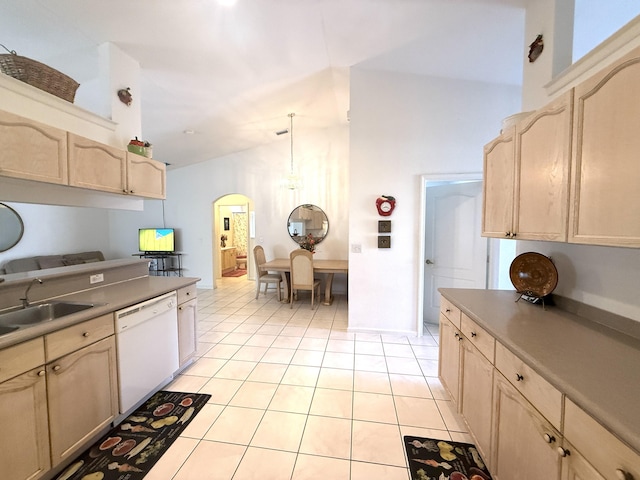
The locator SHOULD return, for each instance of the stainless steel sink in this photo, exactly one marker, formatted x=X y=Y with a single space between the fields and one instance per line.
x=4 y=330
x=38 y=313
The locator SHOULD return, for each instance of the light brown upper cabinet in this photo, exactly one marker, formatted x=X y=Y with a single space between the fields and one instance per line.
x=145 y=177
x=96 y=166
x=605 y=197
x=543 y=157
x=527 y=176
x=31 y=150
x=499 y=178
x=107 y=169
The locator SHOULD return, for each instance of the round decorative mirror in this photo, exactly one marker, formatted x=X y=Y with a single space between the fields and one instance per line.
x=11 y=227
x=308 y=220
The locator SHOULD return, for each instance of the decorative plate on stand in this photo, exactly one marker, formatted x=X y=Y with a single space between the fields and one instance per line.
x=533 y=274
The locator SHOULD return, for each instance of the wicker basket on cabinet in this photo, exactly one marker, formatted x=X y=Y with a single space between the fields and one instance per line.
x=38 y=75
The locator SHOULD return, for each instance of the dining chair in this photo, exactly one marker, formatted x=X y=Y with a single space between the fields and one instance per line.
x=301 y=267
x=264 y=276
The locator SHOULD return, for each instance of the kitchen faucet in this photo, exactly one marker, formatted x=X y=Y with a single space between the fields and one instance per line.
x=25 y=300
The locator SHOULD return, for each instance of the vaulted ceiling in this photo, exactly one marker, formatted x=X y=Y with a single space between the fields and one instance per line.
x=231 y=74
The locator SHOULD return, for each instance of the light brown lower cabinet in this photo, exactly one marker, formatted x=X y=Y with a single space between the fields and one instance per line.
x=449 y=357
x=524 y=443
x=476 y=396
x=82 y=396
x=187 y=343
x=68 y=395
x=598 y=449
x=524 y=427
x=228 y=257
x=576 y=467
x=24 y=441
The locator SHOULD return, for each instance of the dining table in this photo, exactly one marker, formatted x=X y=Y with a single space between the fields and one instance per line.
x=324 y=266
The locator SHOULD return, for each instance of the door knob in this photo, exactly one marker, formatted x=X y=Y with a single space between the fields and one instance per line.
x=429 y=262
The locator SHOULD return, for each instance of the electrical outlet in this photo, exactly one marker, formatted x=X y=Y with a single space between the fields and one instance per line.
x=97 y=278
x=356 y=248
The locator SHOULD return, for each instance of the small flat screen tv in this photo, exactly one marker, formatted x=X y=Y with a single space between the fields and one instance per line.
x=156 y=240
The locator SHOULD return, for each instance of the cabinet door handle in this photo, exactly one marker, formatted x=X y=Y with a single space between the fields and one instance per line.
x=622 y=475
x=563 y=452
x=456 y=335
x=519 y=377
x=507 y=234
x=448 y=310
x=85 y=334
x=549 y=438
x=56 y=368
x=41 y=373
x=473 y=334
x=513 y=235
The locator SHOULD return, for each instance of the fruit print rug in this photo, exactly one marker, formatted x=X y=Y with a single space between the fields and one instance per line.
x=431 y=459
x=129 y=450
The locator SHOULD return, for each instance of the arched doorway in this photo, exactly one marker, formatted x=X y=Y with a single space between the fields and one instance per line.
x=232 y=234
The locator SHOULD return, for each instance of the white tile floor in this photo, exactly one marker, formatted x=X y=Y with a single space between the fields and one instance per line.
x=295 y=396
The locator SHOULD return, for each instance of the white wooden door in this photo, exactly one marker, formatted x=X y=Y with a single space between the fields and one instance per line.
x=455 y=253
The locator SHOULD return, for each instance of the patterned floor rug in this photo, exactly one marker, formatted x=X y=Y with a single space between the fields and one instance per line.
x=431 y=459
x=235 y=273
x=130 y=449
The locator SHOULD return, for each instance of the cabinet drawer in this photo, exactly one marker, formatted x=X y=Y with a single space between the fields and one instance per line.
x=542 y=395
x=599 y=446
x=77 y=336
x=479 y=337
x=450 y=311
x=187 y=293
x=21 y=358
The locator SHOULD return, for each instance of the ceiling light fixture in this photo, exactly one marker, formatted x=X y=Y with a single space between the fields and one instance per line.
x=292 y=181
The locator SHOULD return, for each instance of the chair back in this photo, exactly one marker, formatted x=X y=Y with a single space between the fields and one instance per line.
x=260 y=259
x=301 y=269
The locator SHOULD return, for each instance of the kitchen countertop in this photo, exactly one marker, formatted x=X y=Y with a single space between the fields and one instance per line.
x=107 y=299
x=596 y=367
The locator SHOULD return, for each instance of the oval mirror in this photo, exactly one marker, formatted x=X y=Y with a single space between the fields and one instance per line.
x=11 y=227
x=305 y=220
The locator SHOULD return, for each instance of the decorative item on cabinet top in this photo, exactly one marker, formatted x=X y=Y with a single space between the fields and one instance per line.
x=140 y=147
x=38 y=75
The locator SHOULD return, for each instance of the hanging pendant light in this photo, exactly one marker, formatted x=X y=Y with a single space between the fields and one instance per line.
x=292 y=182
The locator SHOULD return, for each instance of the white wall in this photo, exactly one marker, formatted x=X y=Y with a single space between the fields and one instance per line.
x=553 y=19
x=404 y=126
x=320 y=156
x=53 y=230
x=596 y=20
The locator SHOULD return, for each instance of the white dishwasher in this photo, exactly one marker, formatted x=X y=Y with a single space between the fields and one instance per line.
x=147 y=346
